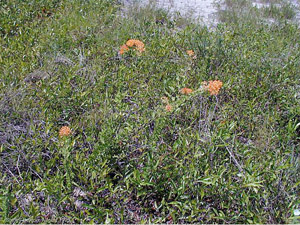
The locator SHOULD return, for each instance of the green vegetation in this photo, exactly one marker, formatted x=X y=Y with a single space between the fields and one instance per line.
x=229 y=158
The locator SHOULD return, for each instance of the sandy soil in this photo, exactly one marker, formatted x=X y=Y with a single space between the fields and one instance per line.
x=205 y=10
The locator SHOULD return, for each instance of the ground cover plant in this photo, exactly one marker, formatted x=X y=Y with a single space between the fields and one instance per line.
x=117 y=116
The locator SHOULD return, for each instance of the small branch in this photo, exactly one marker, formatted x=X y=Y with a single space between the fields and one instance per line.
x=36 y=173
x=19 y=169
x=12 y=174
x=235 y=160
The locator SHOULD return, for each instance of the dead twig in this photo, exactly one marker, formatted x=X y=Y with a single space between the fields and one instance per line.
x=11 y=173
x=19 y=168
x=234 y=159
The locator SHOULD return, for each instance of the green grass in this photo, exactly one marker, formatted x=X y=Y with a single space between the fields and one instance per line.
x=230 y=158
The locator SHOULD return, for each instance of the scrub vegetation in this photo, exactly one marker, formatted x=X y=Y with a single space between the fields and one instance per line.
x=132 y=116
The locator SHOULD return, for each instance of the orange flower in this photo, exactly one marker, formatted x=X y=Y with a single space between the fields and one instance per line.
x=123 y=49
x=137 y=43
x=141 y=49
x=169 y=108
x=130 y=43
x=213 y=86
x=190 y=52
x=186 y=91
x=64 y=131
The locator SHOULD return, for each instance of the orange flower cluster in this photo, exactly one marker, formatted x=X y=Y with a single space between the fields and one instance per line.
x=169 y=108
x=137 y=43
x=64 y=131
x=132 y=43
x=186 y=91
x=123 y=49
x=190 y=52
x=213 y=86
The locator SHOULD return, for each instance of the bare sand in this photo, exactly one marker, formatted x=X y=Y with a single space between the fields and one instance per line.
x=204 y=10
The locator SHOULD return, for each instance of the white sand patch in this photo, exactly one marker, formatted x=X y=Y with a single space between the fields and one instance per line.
x=259 y=4
x=205 y=10
x=294 y=3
